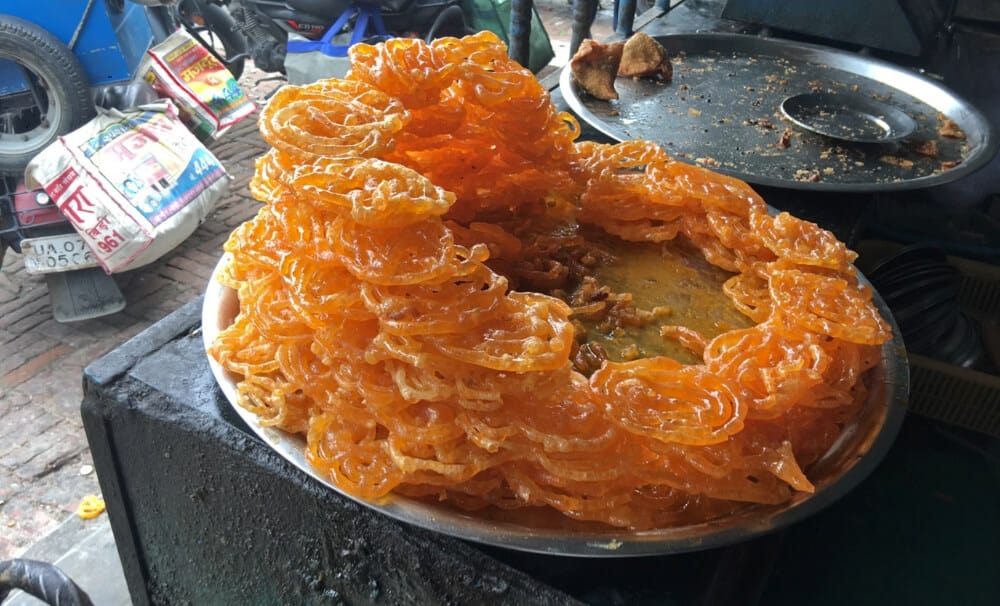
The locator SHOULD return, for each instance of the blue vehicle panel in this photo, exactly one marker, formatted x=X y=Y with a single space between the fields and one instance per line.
x=110 y=45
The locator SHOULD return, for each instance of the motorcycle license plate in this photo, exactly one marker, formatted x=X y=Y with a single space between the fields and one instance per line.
x=56 y=253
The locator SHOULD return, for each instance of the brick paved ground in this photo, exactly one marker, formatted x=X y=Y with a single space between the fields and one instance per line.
x=44 y=459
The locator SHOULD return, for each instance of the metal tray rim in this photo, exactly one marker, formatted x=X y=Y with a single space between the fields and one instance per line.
x=905 y=80
x=892 y=385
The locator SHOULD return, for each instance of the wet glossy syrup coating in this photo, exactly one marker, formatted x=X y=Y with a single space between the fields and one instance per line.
x=425 y=294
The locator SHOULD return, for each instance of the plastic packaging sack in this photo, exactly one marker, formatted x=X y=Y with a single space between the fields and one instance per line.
x=133 y=183
x=208 y=97
x=308 y=66
x=307 y=61
x=494 y=15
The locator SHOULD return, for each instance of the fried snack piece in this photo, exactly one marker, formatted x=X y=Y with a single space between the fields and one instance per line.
x=949 y=128
x=595 y=67
x=644 y=56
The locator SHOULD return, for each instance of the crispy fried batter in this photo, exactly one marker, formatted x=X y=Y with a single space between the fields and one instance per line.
x=644 y=56
x=595 y=67
x=949 y=128
x=928 y=149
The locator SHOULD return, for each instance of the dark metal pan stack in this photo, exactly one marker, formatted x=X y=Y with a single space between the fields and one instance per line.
x=921 y=288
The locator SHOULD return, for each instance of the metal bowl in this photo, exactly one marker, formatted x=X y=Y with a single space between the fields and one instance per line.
x=861 y=446
x=848 y=117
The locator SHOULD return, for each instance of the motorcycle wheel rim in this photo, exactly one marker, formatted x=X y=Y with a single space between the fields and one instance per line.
x=43 y=121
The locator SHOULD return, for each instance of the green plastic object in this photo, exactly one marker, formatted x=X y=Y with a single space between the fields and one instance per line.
x=494 y=15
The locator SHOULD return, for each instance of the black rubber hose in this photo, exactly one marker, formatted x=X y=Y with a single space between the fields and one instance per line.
x=449 y=22
x=41 y=580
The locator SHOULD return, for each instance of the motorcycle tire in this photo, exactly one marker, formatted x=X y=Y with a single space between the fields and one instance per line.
x=200 y=17
x=60 y=88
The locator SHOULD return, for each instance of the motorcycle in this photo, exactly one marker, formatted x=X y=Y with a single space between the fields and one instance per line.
x=267 y=24
x=55 y=70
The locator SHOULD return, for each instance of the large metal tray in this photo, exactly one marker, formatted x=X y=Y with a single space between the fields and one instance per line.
x=722 y=110
x=861 y=447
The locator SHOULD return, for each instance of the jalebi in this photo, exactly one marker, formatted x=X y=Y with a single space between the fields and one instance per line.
x=412 y=294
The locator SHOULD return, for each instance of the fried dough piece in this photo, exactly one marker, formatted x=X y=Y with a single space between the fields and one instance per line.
x=949 y=128
x=644 y=56
x=595 y=67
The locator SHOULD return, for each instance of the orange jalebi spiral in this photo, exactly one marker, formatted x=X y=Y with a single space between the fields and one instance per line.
x=669 y=402
x=830 y=305
x=416 y=74
x=800 y=242
x=455 y=136
x=774 y=372
x=335 y=118
x=345 y=182
x=377 y=315
x=617 y=195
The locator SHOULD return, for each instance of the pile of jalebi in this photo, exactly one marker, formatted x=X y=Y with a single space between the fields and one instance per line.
x=378 y=314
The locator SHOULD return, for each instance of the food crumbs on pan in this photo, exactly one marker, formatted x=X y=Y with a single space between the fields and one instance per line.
x=928 y=149
x=855 y=88
x=694 y=113
x=682 y=87
x=949 y=128
x=786 y=138
x=896 y=161
x=763 y=123
x=707 y=161
x=808 y=175
x=948 y=165
x=631 y=352
x=828 y=170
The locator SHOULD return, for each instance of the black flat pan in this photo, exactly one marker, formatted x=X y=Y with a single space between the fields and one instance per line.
x=722 y=110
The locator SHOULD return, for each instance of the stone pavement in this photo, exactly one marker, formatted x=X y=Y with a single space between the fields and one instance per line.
x=45 y=464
